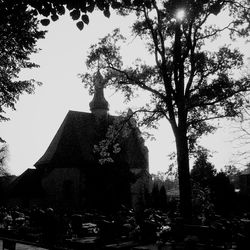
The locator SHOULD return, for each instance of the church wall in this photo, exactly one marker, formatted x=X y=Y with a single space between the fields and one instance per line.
x=22 y=201
x=64 y=188
x=139 y=189
x=13 y=202
x=137 y=154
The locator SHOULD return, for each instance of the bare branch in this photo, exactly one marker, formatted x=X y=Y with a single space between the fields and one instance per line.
x=215 y=32
x=196 y=121
x=132 y=81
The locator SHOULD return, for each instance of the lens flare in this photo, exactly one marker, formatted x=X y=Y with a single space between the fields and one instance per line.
x=180 y=14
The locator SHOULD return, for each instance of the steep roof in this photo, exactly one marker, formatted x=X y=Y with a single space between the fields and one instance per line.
x=74 y=141
x=27 y=184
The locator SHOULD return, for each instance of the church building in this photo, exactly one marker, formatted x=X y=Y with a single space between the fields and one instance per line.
x=70 y=175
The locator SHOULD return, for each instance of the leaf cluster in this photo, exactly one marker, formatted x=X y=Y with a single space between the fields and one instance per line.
x=3 y=159
x=79 y=10
x=117 y=132
x=19 y=33
x=203 y=171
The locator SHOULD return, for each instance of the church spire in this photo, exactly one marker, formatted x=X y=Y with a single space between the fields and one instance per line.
x=99 y=105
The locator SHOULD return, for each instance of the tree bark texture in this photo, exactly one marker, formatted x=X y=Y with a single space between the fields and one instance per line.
x=184 y=176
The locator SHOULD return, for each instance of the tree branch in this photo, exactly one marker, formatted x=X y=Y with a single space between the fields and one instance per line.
x=138 y=83
x=196 y=121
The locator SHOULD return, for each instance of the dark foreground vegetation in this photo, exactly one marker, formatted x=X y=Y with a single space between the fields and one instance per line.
x=122 y=230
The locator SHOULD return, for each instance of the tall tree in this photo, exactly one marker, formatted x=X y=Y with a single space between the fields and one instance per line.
x=203 y=171
x=19 y=33
x=189 y=86
x=3 y=158
x=202 y=176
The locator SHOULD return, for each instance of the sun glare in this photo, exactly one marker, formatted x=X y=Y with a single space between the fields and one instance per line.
x=180 y=14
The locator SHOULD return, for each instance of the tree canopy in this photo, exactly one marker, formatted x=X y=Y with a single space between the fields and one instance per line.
x=212 y=191
x=203 y=171
x=19 y=33
x=189 y=85
x=3 y=159
x=79 y=9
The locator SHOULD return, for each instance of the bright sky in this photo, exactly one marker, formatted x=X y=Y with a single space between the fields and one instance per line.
x=37 y=118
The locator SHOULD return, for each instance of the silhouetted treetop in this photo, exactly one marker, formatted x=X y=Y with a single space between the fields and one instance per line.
x=19 y=33
x=203 y=171
x=80 y=9
x=3 y=159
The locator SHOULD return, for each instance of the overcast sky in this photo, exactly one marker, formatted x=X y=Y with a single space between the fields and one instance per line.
x=37 y=118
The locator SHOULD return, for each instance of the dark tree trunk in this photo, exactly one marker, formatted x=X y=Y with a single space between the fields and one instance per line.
x=180 y=130
x=184 y=176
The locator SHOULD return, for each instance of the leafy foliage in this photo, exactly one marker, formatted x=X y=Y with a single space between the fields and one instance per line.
x=3 y=158
x=212 y=191
x=202 y=175
x=203 y=171
x=18 y=36
x=233 y=173
x=203 y=208
x=122 y=128
x=78 y=10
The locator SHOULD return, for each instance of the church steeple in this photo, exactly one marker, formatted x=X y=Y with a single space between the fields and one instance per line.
x=99 y=105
